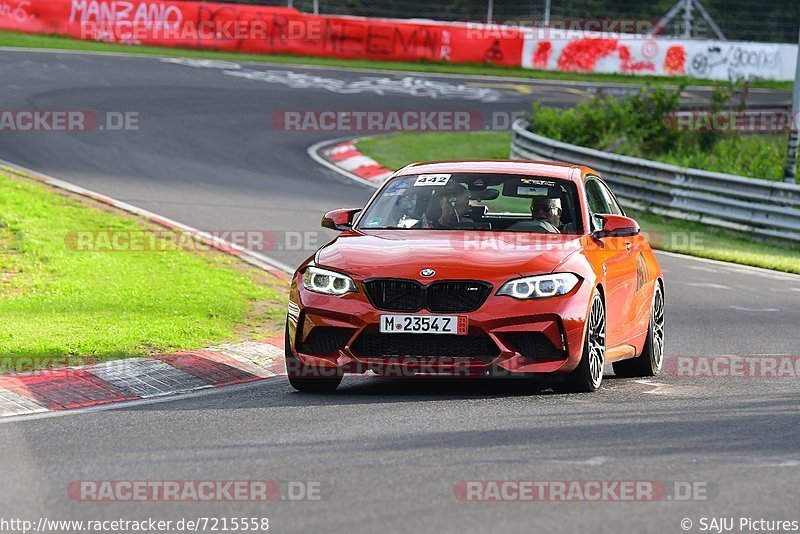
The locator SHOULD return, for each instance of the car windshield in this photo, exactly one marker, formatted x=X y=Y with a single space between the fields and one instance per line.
x=476 y=202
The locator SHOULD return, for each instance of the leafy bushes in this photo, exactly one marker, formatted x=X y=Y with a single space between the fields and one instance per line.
x=640 y=126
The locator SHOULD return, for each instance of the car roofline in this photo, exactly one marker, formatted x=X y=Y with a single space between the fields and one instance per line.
x=557 y=170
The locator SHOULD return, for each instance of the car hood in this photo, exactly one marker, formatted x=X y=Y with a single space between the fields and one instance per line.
x=452 y=254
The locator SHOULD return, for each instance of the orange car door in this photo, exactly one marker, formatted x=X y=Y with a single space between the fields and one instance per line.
x=636 y=311
x=619 y=266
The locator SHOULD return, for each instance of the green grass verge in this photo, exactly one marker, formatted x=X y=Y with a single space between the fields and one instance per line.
x=398 y=150
x=24 y=40
x=695 y=239
x=754 y=156
x=56 y=301
x=642 y=126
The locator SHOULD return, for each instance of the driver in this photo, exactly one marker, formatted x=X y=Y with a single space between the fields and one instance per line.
x=547 y=209
x=454 y=204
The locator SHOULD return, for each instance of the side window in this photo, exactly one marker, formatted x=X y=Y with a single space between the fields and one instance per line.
x=613 y=205
x=596 y=199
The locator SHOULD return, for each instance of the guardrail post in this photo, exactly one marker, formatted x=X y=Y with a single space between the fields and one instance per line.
x=687 y=19
x=794 y=136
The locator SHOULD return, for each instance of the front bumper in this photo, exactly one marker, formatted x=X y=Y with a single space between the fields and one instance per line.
x=508 y=336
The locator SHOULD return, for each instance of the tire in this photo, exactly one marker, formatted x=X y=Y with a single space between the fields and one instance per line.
x=652 y=358
x=588 y=376
x=309 y=379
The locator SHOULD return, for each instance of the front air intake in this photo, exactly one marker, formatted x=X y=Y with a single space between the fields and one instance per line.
x=447 y=296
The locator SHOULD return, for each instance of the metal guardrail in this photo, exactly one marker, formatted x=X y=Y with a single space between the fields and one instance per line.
x=765 y=208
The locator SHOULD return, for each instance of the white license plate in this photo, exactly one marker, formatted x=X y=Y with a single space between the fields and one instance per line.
x=424 y=324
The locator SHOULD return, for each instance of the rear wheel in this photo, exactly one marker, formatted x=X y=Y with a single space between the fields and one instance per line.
x=588 y=375
x=309 y=379
x=652 y=358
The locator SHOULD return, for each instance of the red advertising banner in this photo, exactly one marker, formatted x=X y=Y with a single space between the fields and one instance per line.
x=266 y=30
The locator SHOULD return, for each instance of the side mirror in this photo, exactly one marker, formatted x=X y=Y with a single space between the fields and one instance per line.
x=340 y=219
x=617 y=226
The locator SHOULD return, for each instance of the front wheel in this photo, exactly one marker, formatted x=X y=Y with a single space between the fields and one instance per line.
x=652 y=358
x=588 y=375
x=309 y=379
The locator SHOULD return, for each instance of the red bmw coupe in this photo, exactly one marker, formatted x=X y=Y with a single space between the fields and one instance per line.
x=480 y=268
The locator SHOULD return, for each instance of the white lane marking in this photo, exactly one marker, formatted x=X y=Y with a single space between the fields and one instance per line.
x=758 y=310
x=594 y=460
x=709 y=285
x=657 y=385
x=203 y=63
x=769 y=276
x=403 y=85
x=779 y=463
x=734 y=267
x=659 y=388
x=704 y=269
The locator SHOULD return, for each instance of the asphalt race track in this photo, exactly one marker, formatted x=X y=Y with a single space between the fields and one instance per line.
x=386 y=453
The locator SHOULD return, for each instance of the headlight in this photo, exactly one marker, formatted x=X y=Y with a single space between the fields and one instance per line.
x=539 y=287
x=328 y=282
